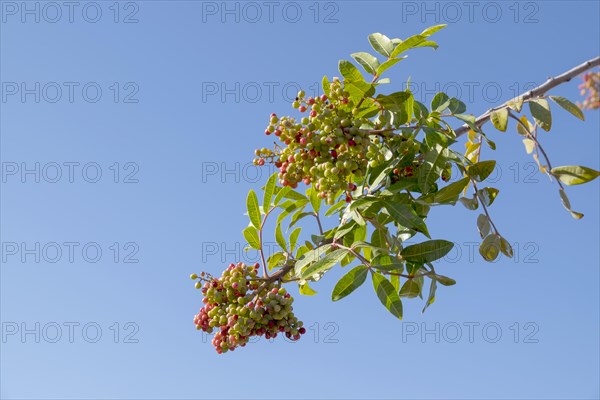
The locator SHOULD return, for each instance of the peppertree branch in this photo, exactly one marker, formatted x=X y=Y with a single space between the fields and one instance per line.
x=551 y=83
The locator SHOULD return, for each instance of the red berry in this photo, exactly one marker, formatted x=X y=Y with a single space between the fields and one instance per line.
x=351 y=143
x=302 y=108
x=324 y=97
x=261 y=162
x=267 y=132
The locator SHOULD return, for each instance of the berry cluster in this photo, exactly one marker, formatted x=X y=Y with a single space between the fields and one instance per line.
x=590 y=89
x=234 y=308
x=326 y=148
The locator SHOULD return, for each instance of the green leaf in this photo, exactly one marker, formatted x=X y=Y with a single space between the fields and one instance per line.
x=325 y=85
x=349 y=282
x=433 y=29
x=309 y=257
x=516 y=104
x=483 y=225
x=281 y=193
x=440 y=102
x=275 y=260
x=500 y=119
x=431 y=298
x=315 y=200
x=529 y=145
x=428 y=251
x=540 y=111
x=409 y=43
x=298 y=215
x=324 y=263
x=269 y=189
x=432 y=167
x=387 y=65
x=350 y=72
x=306 y=290
x=395 y=280
x=524 y=128
x=490 y=247
x=417 y=40
x=280 y=238
x=444 y=280
x=569 y=106
x=386 y=262
x=378 y=237
x=369 y=62
x=456 y=106
x=394 y=101
x=410 y=289
x=481 y=170
x=381 y=44
x=251 y=236
x=387 y=295
x=345 y=229
x=450 y=193
x=406 y=216
x=567 y=204
x=505 y=247
x=294 y=238
x=470 y=204
x=253 y=209
x=487 y=195
x=574 y=174
x=335 y=207
x=358 y=90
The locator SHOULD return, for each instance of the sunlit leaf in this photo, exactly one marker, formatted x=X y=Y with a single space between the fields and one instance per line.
x=540 y=111
x=368 y=61
x=306 y=290
x=575 y=174
x=349 y=282
x=387 y=294
x=490 y=247
x=481 y=170
x=500 y=119
x=253 y=209
x=428 y=251
x=431 y=298
x=381 y=44
x=569 y=106
x=269 y=189
x=251 y=236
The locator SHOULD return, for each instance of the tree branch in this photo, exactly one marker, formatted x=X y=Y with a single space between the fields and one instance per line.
x=551 y=83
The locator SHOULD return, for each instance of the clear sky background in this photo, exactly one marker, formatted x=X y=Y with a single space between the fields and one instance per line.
x=186 y=90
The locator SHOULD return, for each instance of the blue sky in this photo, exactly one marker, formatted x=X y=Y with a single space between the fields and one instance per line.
x=137 y=122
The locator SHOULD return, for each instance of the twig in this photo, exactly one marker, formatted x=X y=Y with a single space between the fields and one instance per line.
x=551 y=83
